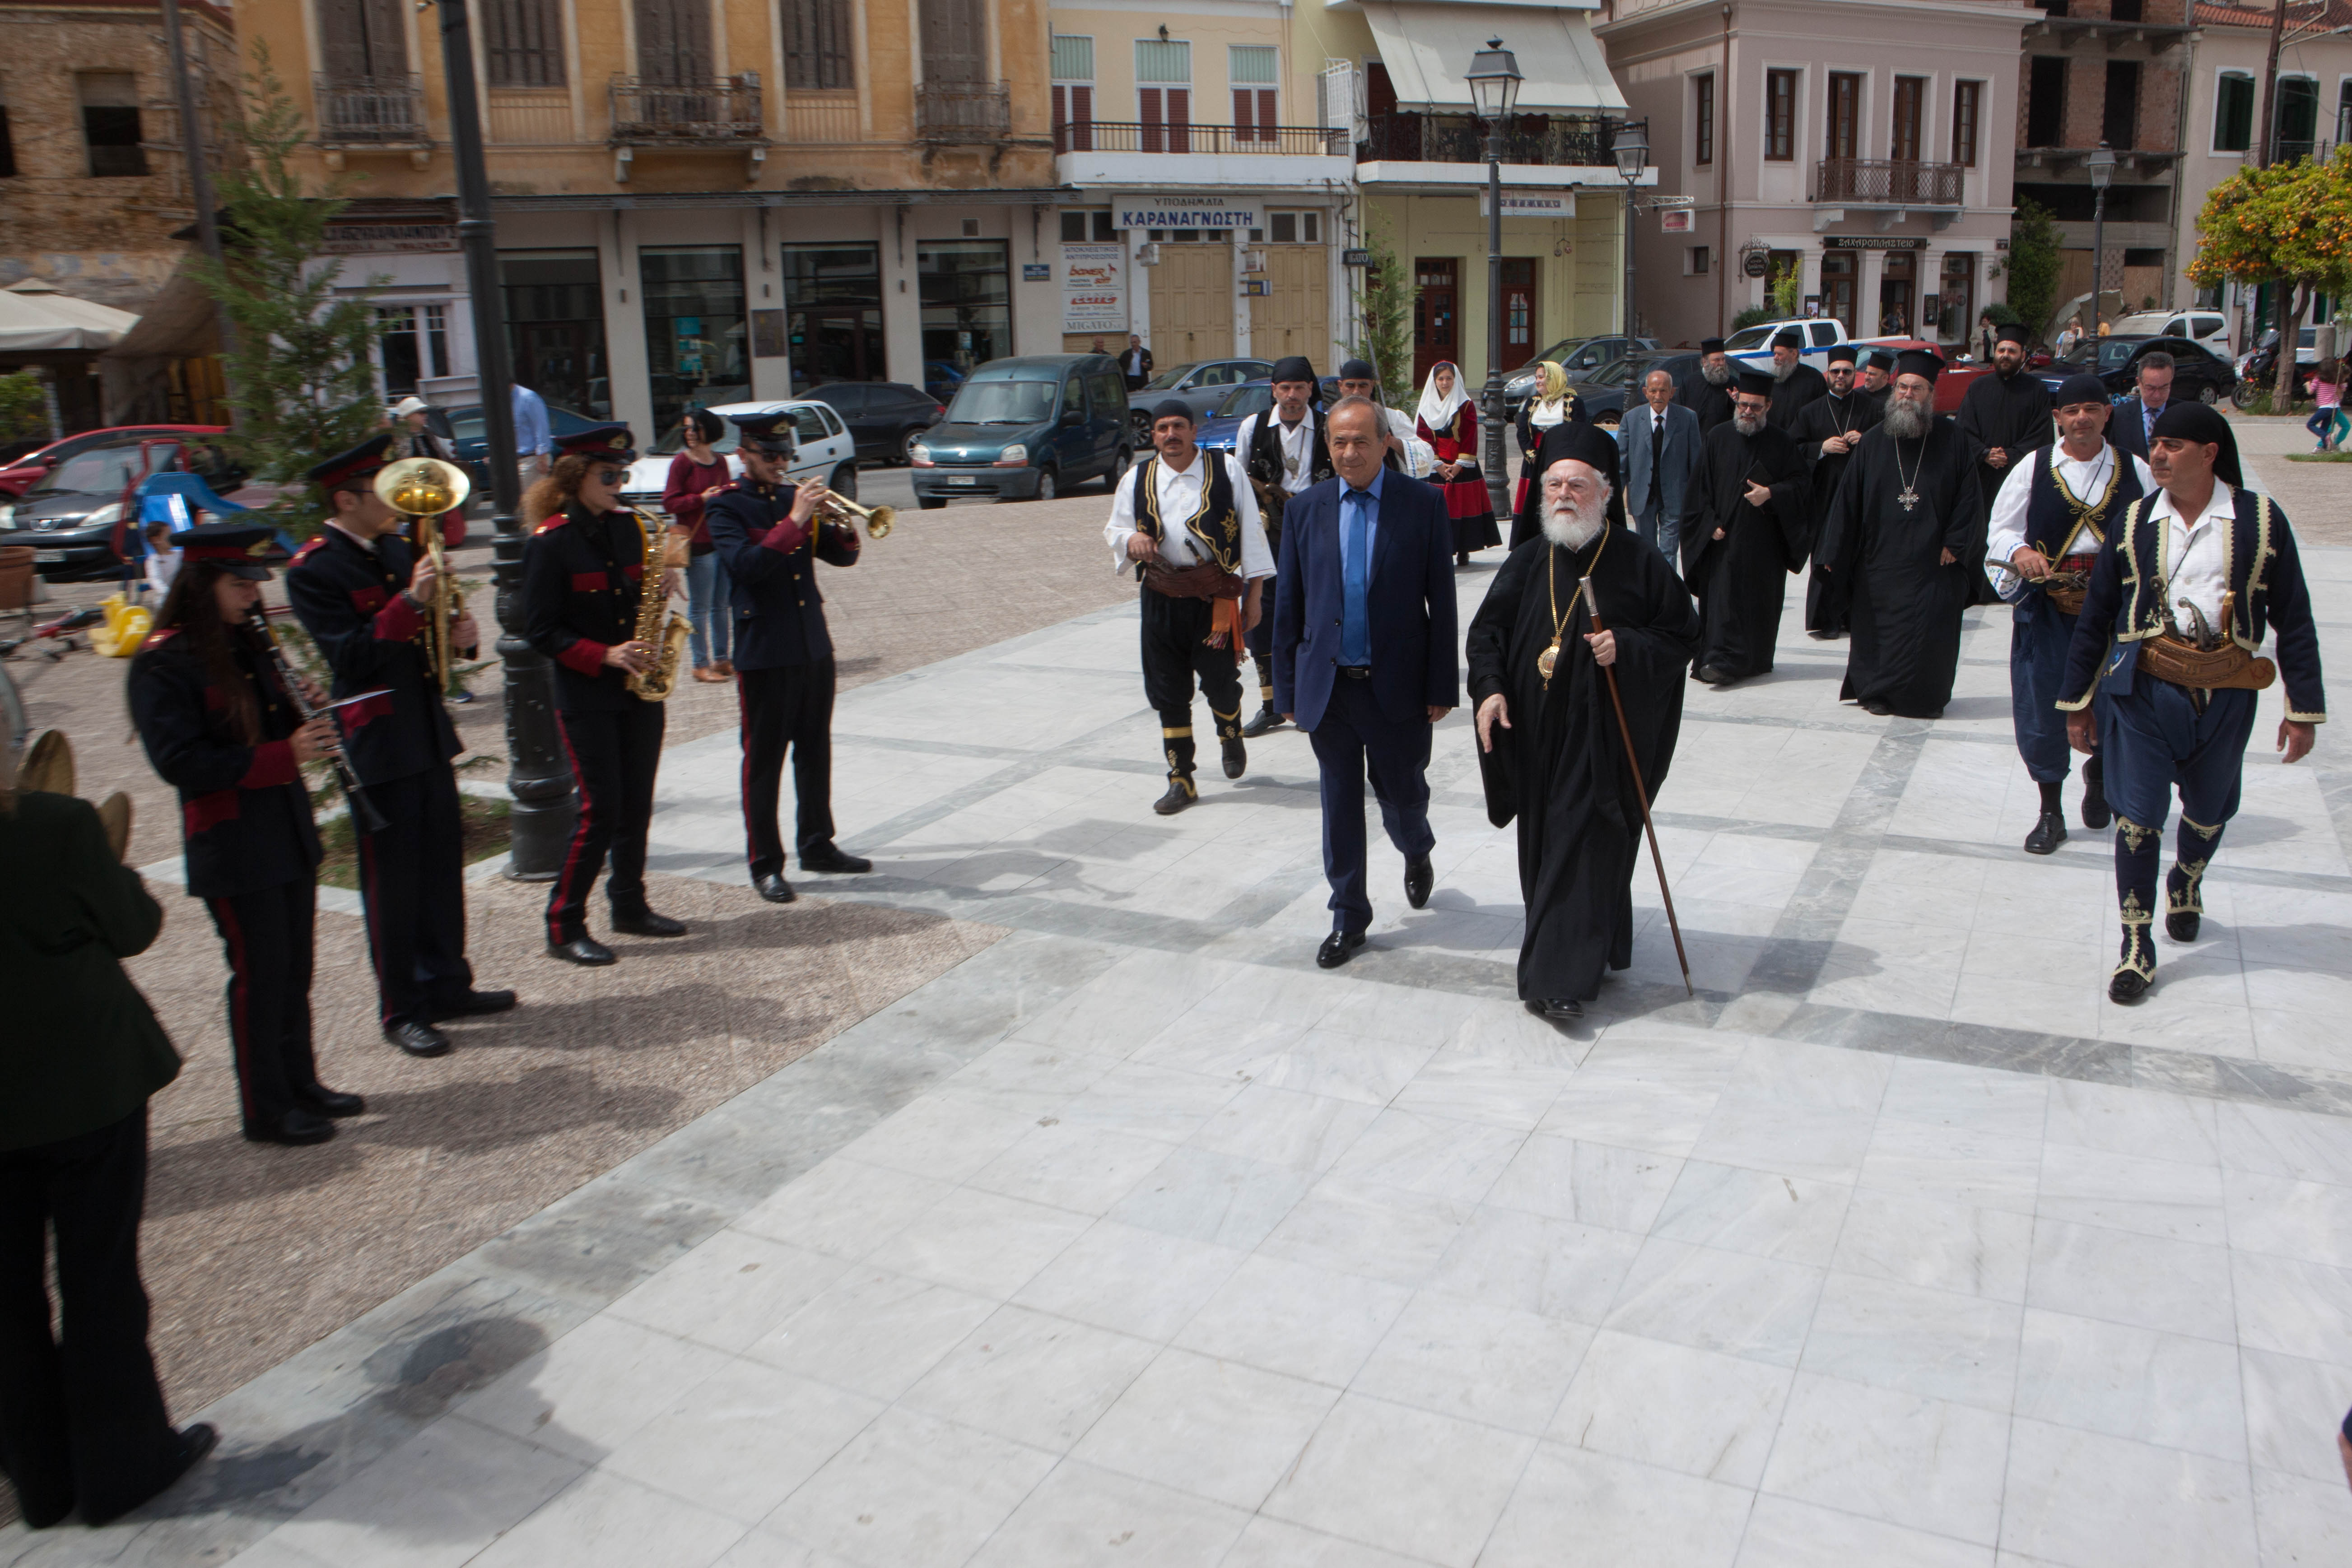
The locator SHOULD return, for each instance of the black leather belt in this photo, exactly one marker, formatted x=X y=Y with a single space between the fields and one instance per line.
x=1357 y=671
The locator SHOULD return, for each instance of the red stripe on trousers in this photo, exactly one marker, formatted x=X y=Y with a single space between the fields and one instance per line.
x=374 y=918
x=240 y=1005
x=579 y=837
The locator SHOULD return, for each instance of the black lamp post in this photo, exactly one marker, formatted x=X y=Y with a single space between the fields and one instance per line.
x=1493 y=78
x=539 y=776
x=1633 y=154
x=2102 y=165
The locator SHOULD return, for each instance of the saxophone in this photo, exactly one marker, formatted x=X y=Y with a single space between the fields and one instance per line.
x=657 y=623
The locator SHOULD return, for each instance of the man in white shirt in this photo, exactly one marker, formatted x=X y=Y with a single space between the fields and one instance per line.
x=2185 y=587
x=1283 y=451
x=1186 y=524
x=1135 y=365
x=2049 y=518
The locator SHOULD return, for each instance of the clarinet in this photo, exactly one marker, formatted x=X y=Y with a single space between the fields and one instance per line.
x=365 y=818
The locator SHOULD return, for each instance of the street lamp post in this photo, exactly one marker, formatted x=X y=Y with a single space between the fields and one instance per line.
x=1493 y=78
x=2102 y=165
x=1633 y=153
x=539 y=776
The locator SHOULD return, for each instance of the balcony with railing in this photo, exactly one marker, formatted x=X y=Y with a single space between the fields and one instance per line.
x=969 y=112
x=371 y=111
x=1555 y=141
x=722 y=112
x=1153 y=136
x=1888 y=181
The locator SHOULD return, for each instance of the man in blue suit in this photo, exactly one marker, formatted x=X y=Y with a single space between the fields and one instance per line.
x=1365 y=656
x=1660 y=442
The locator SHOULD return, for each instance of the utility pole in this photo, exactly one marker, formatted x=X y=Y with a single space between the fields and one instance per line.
x=200 y=175
x=2282 y=291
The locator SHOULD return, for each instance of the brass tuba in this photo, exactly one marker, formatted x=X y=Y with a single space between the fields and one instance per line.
x=47 y=765
x=658 y=625
x=422 y=489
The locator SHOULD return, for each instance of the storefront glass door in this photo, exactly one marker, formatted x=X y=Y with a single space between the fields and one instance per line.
x=694 y=352
x=967 y=301
x=555 y=327
x=832 y=305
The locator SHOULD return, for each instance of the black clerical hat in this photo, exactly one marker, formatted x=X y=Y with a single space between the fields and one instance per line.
x=1585 y=443
x=1843 y=354
x=1292 y=367
x=2189 y=421
x=2080 y=389
x=1882 y=359
x=1919 y=362
x=1710 y=345
x=1788 y=338
x=2012 y=332
x=1756 y=383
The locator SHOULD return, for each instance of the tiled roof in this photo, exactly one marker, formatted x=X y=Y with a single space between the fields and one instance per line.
x=2299 y=14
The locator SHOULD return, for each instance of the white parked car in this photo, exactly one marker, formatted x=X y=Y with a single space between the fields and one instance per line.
x=822 y=449
x=2210 y=328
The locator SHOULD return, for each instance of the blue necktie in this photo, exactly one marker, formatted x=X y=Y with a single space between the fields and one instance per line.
x=1355 y=626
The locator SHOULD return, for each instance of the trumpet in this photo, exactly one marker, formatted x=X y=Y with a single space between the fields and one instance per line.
x=423 y=489
x=839 y=508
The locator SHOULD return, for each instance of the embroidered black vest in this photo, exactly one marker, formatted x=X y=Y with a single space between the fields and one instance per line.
x=1264 y=461
x=2059 y=523
x=1216 y=528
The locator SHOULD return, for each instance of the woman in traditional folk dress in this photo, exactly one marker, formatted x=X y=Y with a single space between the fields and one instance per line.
x=1551 y=403
x=1448 y=421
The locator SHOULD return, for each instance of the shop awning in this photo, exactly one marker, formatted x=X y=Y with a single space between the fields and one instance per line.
x=1427 y=47
x=36 y=319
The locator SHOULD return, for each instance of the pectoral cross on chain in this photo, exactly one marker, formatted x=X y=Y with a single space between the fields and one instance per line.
x=1909 y=496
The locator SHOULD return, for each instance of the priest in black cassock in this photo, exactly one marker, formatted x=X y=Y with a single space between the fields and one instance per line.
x=1877 y=374
x=2008 y=416
x=1896 y=549
x=1827 y=431
x=1795 y=383
x=1706 y=391
x=1745 y=531
x=1550 y=752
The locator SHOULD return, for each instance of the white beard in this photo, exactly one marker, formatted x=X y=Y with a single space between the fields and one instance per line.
x=1717 y=374
x=1573 y=528
x=1904 y=419
x=1783 y=372
x=1748 y=423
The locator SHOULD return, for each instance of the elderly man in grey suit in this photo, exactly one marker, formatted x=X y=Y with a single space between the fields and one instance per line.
x=1660 y=442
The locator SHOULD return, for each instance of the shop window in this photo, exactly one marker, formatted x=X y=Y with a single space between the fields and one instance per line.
x=1702 y=119
x=832 y=312
x=695 y=350
x=1294 y=228
x=1088 y=227
x=1780 y=116
x=109 y=124
x=966 y=296
x=555 y=327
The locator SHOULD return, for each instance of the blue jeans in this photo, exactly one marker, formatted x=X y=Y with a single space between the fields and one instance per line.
x=708 y=588
x=2323 y=422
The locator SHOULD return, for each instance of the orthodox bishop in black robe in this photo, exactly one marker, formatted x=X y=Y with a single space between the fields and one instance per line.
x=1559 y=768
x=1895 y=550
x=1570 y=439
x=1846 y=415
x=1795 y=385
x=2009 y=412
x=1746 y=529
x=1710 y=400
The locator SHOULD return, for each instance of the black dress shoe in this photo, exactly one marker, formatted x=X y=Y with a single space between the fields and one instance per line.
x=1180 y=795
x=833 y=862
x=2048 y=833
x=320 y=1100
x=472 y=1003
x=774 y=888
x=1876 y=708
x=1264 y=720
x=645 y=922
x=189 y=1444
x=2128 y=987
x=296 y=1126
x=582 y=949
x=1711 y=674
x=1336 y=947
x=2182 y=925
x=1559 y=1009
x=417 y=1039
x=1237 y=758
x=1418 y=878
x=2095 y=811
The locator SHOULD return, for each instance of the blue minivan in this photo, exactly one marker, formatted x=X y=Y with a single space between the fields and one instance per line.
x=1027 y=428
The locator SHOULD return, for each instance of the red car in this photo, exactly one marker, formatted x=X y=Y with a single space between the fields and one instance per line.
x=19 y=475
x=1950 y=386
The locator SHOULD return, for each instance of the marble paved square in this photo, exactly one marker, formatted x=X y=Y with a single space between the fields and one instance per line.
x=1137 y=1239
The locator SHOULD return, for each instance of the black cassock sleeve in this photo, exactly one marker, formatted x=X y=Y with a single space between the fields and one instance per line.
x=1840 y=545
x=1487 y=649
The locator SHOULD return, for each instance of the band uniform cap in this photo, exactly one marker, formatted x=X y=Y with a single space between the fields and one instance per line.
x=609 y=443
x=1919 y=362
x=1788 y=338
x=1173 y=408
x=2195 y=422
x=1756 y=383
x=767 y=430
x=2012 y=332
x=356 y=464
x=1842 y=353
x=1585 y=443
x=2081 y=389
x=242 y=549
x=1293 y=367
x=1354 y=370
x=1710 y=345
x=1880 y=359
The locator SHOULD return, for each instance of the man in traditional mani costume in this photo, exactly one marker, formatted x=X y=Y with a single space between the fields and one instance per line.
x=1746 y=529
x=2054 y=512
x=1706 y=391
x=1795 y=383
x=1827 y=431
x=2185 y=587
x=1898 y=549
x=1283 y=451
x=2007 y=416
x=1550 y=752
x=1186 y=524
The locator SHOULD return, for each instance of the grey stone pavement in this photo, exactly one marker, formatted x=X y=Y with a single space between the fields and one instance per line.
x=1135 y=1238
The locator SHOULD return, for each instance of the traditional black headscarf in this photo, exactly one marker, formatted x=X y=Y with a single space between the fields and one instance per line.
x=2195 y=422
x=2080 y=389
x=1355 y=370
x=1293 y=367
x=1173 y=408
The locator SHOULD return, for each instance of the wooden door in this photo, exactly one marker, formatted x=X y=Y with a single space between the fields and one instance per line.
x=674 y=42
x=1296 y=318
x=1910 y=93
x=1844 y=118
x=1895 y=292
x=363 y=41
x=955 y=41
x=1518 y=312
x=1192 y=303
x=1167 y=115
x=1436 y=315
x=1837 y=292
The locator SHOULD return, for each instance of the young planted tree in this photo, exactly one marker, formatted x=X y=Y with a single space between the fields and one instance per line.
x=302 y=379
x=1384 y=309
x=24 y=407
x=2289 y=226
x=2034 y=262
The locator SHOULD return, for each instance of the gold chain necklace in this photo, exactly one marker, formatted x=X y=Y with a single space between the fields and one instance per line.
x=1548 y=661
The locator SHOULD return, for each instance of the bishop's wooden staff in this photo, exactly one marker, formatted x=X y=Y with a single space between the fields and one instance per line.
x=1641 y=790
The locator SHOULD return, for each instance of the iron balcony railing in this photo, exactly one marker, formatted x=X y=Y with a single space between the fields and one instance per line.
x=1890 y=180
x=720 y=109
x=1556 y=141
x=370 y=110
x=1152 y=136
x=964 y=110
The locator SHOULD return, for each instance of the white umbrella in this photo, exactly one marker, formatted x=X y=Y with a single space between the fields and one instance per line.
x=34 y=318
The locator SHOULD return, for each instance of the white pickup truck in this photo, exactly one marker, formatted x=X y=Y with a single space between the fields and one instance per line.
x=1753 y=345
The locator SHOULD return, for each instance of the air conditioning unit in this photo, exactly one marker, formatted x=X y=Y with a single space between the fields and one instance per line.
x=1148 y=255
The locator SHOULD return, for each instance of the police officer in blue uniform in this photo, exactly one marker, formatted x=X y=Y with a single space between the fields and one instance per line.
x=768 y=532
x=582 y=570
x=2162 y=673
x=221 y=728
x=365 y=598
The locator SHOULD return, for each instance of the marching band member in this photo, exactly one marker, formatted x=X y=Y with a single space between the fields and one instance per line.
x=220 y=727
x=766 y=533
x=583 y=573
x=365 y=596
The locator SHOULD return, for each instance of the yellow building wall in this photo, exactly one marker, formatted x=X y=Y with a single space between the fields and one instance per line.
x=1580 y=261
x=1116 y=33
